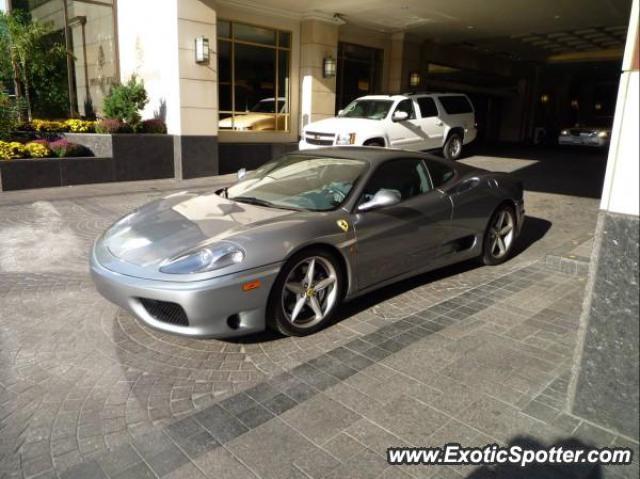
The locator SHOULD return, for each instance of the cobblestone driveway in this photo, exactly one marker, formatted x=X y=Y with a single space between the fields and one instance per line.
x=466 y=354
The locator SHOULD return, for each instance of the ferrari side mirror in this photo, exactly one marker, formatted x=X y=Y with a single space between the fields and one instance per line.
x=380 y=199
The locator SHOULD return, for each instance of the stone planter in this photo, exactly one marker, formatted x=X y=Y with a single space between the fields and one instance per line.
x=30 y=173
x=136 y=156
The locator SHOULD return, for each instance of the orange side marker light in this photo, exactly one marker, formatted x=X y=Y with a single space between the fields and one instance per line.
x=251 y=285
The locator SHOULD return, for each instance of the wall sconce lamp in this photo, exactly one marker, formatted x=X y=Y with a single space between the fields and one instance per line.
x=202 y=51
x=544 y=98
x=329 y=66
x=414 y=79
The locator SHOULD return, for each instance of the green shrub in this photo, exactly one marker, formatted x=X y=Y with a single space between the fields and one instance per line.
x=9 y=116
x=124 y=102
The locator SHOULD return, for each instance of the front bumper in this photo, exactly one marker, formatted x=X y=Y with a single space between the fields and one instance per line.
x=217 y=307
x=594 y=141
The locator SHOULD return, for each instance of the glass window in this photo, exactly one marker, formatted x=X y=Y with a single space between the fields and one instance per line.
x=428 y=107
x=254 y=77
x=407 y=106
x=455 y=104
x=440 y=173
x=299 y=182
x=93 y=70
x=359 y=72
x=408 y=177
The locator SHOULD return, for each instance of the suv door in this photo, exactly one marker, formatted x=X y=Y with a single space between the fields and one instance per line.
x=405 y=134
x=404 y=237
x=431 y=123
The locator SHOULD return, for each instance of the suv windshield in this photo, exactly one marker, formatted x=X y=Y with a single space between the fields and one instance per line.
x=299 y=183
x=369 y=109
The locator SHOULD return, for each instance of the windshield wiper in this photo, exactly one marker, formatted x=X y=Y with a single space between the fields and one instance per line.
x=251 y=200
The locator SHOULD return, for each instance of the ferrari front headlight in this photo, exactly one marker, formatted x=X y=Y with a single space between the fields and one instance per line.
x=603 y=134
x=208 y=258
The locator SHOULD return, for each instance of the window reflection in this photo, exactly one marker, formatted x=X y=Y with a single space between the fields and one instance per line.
x=253 y=76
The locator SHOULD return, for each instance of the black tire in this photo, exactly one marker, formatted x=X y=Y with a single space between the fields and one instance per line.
x=379 y=143
x=277 y=317
x=452 y=149
x=489 y=256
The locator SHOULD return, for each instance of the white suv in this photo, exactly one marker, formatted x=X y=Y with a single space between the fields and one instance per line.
x=420 y=121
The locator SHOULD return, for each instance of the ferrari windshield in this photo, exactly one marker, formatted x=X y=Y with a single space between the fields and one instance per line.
x=369 y=109
x=299 y=183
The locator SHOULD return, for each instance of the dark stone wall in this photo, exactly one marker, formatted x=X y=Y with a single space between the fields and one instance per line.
x=199 y=155
x=606 y=386
x=48 y=172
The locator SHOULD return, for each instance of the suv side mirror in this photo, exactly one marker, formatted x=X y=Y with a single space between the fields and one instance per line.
x=400 y=116
x=242 y=172
x=380 y=199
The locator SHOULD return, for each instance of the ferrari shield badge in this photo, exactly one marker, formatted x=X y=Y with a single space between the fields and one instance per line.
x=343 y=224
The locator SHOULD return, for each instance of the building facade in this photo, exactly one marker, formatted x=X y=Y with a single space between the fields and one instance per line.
x=270 y=70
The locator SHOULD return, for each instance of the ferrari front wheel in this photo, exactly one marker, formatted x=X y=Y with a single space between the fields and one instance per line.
x=306 y=294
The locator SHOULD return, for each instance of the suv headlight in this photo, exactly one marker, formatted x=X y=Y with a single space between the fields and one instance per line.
x=564 y=132
x=209 y=258
x=603 y=134
x=345 y=138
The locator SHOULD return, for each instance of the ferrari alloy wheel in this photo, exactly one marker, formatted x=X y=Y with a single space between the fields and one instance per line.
x=453 y=147
x=500 y=236
x=308 y=291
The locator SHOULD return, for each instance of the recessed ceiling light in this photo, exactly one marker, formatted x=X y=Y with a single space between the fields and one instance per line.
x=470 y=27
x=556 y=17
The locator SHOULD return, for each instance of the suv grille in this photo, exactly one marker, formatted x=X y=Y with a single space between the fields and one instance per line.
x=166 y=312
x=314 y=138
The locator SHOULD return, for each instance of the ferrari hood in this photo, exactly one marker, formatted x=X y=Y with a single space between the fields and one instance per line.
x=179 y=223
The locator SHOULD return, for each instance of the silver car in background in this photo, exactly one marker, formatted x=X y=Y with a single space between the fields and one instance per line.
x=287 y=243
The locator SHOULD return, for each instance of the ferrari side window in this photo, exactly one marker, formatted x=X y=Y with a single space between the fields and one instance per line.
x=409 y=177
x=440 y=173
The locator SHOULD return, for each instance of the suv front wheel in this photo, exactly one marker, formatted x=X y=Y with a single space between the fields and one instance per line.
x=452 y=149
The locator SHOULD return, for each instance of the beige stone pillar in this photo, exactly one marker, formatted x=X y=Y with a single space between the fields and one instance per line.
x=157 y=43
x=396 y=61
x=319 y=40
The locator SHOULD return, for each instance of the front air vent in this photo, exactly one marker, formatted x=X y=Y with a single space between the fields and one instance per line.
x=165 y=311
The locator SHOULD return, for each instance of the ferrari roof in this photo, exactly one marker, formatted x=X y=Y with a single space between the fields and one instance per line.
x=372 y=154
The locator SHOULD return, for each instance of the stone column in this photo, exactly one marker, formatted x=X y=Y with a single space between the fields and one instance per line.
x=604 y=388
x=319 y=40
x=157 y=43
x=396 y=61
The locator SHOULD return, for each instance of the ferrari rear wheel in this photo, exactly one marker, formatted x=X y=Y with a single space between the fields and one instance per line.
x=500 y=236
x=306 y=293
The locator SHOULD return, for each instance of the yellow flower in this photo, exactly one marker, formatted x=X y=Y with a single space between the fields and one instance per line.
x=37 y=150
x=11 y=150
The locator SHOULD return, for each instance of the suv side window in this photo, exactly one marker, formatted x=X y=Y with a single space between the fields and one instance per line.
x=455 y=104
x=407 y=105
x=409 y=177
x=440 y=173
x=428 y=107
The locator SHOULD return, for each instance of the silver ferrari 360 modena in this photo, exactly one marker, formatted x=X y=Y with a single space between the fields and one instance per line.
x=287 y=243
